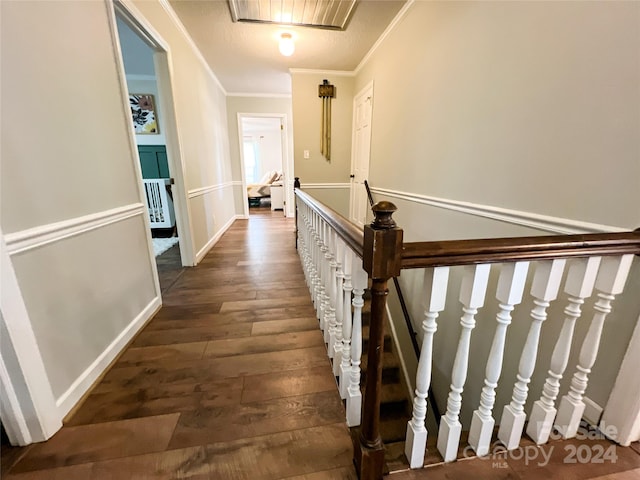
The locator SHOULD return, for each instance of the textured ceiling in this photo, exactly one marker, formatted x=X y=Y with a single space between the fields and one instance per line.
x=245 y=57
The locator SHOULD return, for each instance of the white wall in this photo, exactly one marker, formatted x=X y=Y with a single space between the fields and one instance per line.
x=521 y=105
x=72 y=215
x=529 y=106
x=71 y=207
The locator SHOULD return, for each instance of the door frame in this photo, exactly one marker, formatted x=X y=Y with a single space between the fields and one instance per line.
x=126 y=11
x=364 y=91
x=287 y=169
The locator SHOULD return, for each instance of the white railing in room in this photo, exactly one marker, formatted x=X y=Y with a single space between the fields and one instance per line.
x=159 y=203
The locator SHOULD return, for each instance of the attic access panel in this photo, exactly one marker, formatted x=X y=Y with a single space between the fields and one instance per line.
x=332 y=14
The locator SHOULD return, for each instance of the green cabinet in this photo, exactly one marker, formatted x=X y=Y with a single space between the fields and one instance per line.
x=153 y=160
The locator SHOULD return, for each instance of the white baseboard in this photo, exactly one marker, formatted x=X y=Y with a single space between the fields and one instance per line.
x=79 y=387
x=213 y=240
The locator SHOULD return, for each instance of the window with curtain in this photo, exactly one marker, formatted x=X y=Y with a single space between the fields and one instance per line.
x=251 y=161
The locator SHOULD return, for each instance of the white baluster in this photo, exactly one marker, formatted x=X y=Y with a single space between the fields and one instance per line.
x=322 y=292
x=472 y=293
x=578 y=286
x=546 y=283
x=435 y=284
x=326 y=283
x=331 y=292
x=354 y=397
x=338 y=306
x=509 y=293
x=316 y=265
x=347 y=287
x=610 y=282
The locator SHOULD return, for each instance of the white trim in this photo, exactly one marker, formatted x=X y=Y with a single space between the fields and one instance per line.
x=35 y=237
x=37 y=401
x=13 y=418
x=178 y=23
x=83 y=383
x=528 y=219
x=320 y=186
x=259 y=95
x=403 y=11
x=209 y=245
x=198 y=192
x=622 y=410
x=311 y=71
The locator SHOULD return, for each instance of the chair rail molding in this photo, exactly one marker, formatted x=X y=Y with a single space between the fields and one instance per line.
x=198 y=192
x=41 y=235
x=518 y=217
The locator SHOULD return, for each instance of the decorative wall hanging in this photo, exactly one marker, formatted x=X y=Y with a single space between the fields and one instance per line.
x=326 y=92
x=143 y=112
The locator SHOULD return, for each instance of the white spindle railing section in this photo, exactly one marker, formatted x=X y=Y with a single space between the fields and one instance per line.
x=336 y=282
x=608 y=274
x=509 y=293
x=334 y=273
x=546 y=283
x=578 y=286
x=610 y=282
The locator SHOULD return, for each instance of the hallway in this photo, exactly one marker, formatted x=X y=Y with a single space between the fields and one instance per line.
x=230 y=380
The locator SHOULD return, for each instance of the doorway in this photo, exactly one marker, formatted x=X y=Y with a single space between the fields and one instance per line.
x=361 y=147
x=263 y=141
x=148 y=83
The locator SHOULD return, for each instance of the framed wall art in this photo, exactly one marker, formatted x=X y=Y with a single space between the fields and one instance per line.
x=143 y=113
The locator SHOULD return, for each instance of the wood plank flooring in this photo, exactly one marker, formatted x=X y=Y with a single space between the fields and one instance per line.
x=230 y=380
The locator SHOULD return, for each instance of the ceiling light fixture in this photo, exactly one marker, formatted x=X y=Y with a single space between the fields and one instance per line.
x=286 y=45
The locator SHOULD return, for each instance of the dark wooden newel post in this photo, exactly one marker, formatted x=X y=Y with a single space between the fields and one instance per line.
x=382 y=261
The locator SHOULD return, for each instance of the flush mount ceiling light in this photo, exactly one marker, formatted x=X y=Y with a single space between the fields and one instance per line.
x=286 y=45
x=332 y=14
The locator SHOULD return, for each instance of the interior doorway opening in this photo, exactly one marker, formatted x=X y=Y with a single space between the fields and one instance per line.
x=148 y=83
x=262 y=150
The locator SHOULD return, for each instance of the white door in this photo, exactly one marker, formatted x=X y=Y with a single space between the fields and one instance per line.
x=361 y=146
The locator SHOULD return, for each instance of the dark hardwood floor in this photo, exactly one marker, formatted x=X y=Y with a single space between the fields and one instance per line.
x=231 y=380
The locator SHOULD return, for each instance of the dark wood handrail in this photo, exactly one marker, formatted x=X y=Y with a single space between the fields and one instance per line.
x=492 y=250
x=347 y=230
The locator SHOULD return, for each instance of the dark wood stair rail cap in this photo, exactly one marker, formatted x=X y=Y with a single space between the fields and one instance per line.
x=492 y=250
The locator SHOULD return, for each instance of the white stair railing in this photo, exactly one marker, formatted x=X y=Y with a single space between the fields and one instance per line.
x=546 y=283
x=333 y=269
